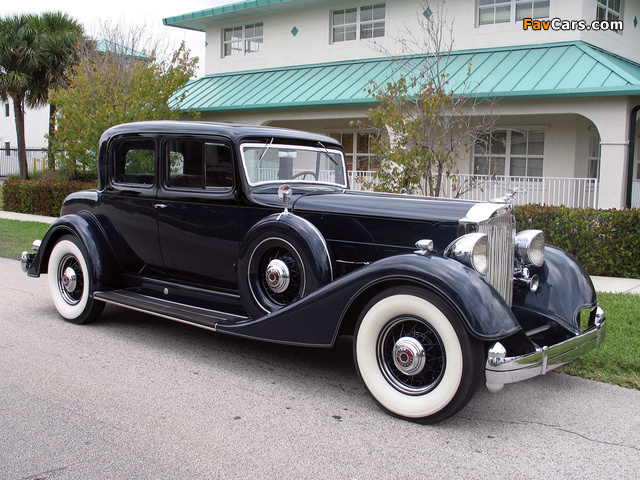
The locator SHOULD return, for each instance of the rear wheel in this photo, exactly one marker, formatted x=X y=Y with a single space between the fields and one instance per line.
x=415 y=356
x=70 y=281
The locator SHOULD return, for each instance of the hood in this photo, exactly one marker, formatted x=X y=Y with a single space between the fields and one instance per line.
x=382 y=205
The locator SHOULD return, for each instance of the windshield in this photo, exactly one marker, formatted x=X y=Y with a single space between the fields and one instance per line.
x=275 y=163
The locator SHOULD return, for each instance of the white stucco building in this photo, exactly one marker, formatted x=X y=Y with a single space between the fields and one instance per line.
x=36 y=128
x=568 y=98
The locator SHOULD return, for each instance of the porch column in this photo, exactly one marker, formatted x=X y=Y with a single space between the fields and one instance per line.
x=613 y=174
x=613 y=126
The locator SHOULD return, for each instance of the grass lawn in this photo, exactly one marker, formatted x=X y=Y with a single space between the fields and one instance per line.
x=17 y=236
x=618 y=360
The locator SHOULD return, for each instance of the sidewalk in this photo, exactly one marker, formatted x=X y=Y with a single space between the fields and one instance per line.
x=601 y=284
x=25 y=217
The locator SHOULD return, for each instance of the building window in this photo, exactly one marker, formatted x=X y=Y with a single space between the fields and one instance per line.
x=609 y=10
x=509 y=153
x=510 y=11
x=594 y=155
x=357 y=151
x=7 y=149
x=358 y=23
x=6 y=110
x=242 y=40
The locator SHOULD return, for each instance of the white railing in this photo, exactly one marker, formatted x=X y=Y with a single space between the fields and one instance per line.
x=361 y=179
x=635 y=194
x=36 y=160
x=555 y=191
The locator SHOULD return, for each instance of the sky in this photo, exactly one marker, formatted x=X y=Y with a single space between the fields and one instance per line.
x=126 y=13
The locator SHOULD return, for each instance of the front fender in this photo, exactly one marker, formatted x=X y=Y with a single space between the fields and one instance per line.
x=565 y=289
x=315 y=320
x=84 y=226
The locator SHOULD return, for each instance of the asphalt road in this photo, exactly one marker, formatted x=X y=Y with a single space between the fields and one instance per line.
x=136 y=397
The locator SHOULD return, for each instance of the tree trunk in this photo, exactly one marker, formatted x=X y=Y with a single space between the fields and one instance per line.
x=18 y=110
x=51 y=156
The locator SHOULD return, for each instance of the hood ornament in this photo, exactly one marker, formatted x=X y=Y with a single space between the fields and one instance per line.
x=284 y=194
x=509 y=196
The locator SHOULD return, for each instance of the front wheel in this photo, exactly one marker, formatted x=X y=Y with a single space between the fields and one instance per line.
x=415 y=356
x=70 y=282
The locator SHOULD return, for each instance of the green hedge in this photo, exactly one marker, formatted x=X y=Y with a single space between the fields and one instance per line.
x=607 y=242
x=39 y=197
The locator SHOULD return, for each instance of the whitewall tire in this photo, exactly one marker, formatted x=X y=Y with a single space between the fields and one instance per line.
x=70 y=283
x=415 y=356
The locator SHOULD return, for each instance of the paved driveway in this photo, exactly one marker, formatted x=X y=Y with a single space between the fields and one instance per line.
x=133 y=396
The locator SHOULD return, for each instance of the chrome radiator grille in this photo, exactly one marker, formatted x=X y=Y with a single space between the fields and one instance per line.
x=500 y=231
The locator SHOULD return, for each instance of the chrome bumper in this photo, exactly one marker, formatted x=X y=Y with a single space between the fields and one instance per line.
x=501 y=369
x=26 y=259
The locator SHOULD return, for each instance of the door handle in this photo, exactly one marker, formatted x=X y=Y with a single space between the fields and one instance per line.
x=159 y=205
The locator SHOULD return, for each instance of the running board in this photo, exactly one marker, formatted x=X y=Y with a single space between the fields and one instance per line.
x=179 y=312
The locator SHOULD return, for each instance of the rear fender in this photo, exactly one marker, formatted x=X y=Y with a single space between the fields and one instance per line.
x=84 y=226
x=315 y=320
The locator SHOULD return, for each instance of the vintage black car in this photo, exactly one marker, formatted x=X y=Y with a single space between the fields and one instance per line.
x=253 y=231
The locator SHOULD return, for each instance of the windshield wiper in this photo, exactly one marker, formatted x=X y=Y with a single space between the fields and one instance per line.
x=266 y=149
x=326 y=152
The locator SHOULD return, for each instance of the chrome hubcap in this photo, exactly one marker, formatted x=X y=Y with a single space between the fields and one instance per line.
x=409 y=356
x=277 y=276
x=69 y=279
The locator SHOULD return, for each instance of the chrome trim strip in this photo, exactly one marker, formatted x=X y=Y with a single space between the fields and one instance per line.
x=168 y=317
x=500 y=369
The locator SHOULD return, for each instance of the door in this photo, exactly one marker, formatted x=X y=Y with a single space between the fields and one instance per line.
x=198 y=212
x=129 y=204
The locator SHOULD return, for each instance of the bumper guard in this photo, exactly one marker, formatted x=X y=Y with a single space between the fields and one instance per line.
x=501 y=369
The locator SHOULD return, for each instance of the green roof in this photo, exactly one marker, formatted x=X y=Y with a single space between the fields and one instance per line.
x=198 y=20
x=533 y=71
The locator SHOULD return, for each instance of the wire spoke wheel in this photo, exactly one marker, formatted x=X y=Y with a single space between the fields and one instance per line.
x=70 y=279
x=293 y=289
x=412 y=355
x=415 y=356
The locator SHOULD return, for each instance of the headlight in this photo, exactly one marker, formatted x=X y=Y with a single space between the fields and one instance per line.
x=470 y=250
x=530 y=247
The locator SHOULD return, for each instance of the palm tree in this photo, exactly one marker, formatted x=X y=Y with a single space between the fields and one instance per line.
x=62 y=37
x=35 y=54
x=19 y=70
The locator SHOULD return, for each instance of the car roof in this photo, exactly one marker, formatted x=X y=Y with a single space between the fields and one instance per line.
x=232 y=130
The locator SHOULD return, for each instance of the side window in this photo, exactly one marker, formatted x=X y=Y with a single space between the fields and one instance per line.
x=197 y=164
x=134 y=162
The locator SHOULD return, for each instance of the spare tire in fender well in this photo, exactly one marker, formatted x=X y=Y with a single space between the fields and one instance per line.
x=282 y=258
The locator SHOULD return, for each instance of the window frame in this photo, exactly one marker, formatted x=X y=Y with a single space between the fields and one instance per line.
x=359 y=25
x=244 y=40
x=113 y=161
x=212 y=141
x=513 y=6
x=593 y=157
x=610 y=13
x=509 y=156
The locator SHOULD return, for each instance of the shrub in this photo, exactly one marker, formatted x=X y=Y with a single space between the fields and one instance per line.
x=39 y=197
x=606 y=242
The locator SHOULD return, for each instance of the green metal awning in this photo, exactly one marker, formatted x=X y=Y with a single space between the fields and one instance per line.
x=533 y=71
